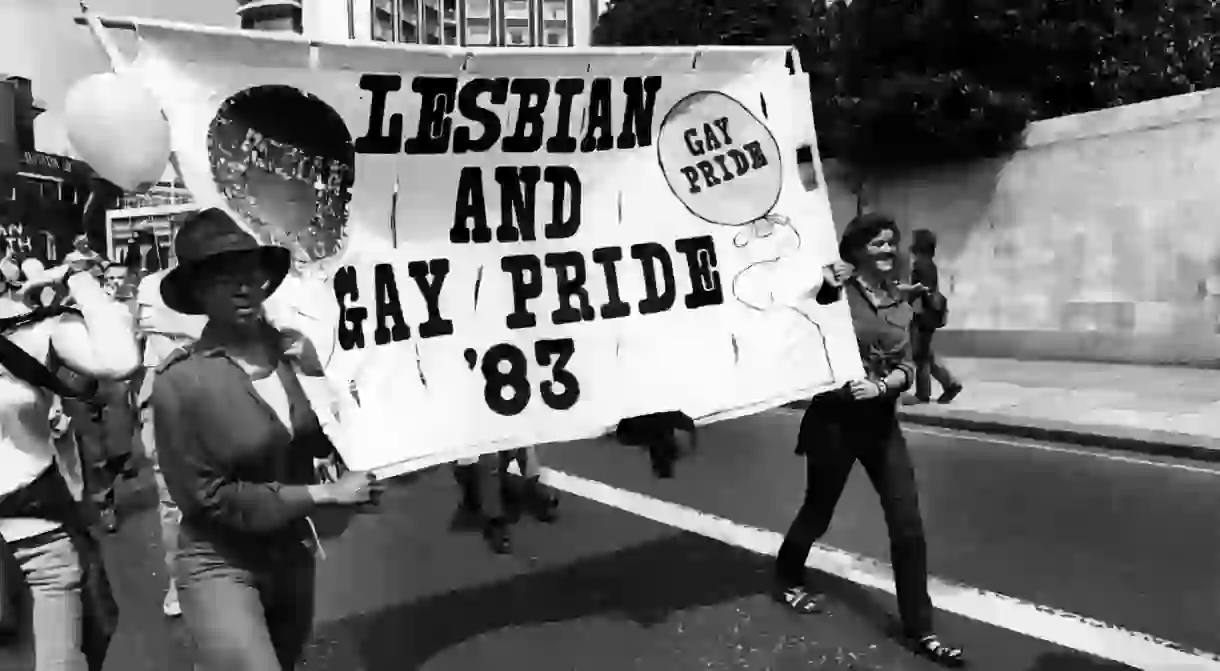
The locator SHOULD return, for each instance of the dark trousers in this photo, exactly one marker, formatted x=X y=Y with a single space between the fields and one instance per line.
x=487 y=485
x=927 y=366
x=250 y=610
x=834 y=434
x=105 y=428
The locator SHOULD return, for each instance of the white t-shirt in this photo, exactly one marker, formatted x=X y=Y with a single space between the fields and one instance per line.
x=271 y=389
x=26 y=445
x=163 y=328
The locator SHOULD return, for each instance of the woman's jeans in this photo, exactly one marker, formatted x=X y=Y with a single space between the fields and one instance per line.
x=247 y=608
x=51 y=603
x=171 y=517
x=834 y=434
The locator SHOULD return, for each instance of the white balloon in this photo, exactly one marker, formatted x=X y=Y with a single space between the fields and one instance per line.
x=116 y=126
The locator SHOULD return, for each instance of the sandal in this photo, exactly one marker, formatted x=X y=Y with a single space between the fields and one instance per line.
x=799 y=600
x=931 y=647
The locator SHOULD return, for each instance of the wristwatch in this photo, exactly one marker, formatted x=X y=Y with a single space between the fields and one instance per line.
x=882 y=388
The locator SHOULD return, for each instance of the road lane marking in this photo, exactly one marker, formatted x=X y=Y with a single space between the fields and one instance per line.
x=1059 y=627
x=1034 y=444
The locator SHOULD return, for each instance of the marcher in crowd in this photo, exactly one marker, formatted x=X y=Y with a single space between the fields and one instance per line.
x=104 y=422
x=859 y=422
x=931 y=312
x=236 y=439
x=39 y=520
x=164 y=333
x=492 y=496
x=82 y=255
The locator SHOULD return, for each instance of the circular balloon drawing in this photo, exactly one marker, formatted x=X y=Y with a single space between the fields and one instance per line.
x=724 y=164
x=720 y=160
x=284 y=161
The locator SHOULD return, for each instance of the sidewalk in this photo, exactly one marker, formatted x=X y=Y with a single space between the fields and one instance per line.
x=1163 y=410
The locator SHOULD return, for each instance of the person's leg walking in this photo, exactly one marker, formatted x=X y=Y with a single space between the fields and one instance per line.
x=888 y=465
x=288 y=601
x=950 y=386
x=921 y=352
x=224 y=613
x=53 y=574
x=169 y=514
x=86 y=425
x=828 y=462
x=541 y=500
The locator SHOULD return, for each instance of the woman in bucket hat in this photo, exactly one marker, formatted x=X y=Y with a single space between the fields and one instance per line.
x=236 y=440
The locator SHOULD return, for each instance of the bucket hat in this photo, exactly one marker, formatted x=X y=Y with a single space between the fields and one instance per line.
x=205 y=235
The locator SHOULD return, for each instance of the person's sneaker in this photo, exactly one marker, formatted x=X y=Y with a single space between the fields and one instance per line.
x=496 y=533
x=949 y=394
x=543 y=501
x=911 y=399
x=170 y=605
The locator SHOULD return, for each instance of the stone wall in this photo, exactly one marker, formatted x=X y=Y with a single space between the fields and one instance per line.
x=1100 y=240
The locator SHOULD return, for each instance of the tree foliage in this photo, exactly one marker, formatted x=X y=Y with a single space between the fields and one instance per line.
x=896 y=82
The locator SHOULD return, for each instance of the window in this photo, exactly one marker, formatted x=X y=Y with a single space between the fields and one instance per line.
x=555 y=11
x=556 y=38
x=478 y=36
x=478 y=8
x=516 y=37
x=516 y=9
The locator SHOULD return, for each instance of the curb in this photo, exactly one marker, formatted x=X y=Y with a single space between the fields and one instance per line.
x=1123 y=439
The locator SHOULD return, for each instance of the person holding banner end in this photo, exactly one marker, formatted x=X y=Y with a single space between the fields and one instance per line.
x=236 y=440
x=859 y=422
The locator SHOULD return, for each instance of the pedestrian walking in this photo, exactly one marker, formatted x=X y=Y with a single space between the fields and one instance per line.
x=491 y=496
x=82 y=255
x=236 y=439
x=164 y=333
x=67 y=614
x=931 y=313
x=859 y=422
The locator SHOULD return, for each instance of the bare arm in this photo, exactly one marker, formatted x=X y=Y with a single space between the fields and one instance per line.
x=101 y=343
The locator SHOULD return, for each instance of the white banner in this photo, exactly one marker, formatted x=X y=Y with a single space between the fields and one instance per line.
x=499 y=248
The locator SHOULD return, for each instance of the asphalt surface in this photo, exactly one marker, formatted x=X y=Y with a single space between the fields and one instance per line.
x=1131 y=544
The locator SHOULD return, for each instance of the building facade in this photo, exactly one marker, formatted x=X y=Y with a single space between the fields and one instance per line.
x=470 y=23
x=144 y=224
x=44 y=198
x=270 y=15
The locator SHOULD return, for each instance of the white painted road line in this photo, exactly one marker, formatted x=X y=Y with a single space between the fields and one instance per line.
x=1033 y=444
x=1058 y=627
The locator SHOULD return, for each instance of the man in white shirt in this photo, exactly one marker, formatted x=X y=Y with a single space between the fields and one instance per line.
x=99 y=344
x=164 y=331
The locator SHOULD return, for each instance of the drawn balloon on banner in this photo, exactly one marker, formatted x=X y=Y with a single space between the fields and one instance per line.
x=284 y=161
x=116 y=126
x=725 y=165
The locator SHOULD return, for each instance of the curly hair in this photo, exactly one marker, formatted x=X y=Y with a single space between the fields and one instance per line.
x=862 y=229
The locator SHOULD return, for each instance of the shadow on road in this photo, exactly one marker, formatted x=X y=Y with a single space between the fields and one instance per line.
x=645 y=585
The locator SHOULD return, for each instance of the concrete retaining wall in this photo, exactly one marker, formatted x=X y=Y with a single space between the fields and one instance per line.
x=1098 y=241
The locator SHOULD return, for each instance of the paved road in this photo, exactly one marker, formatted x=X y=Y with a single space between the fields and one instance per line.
x=1133 y=544
x=603 y=589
